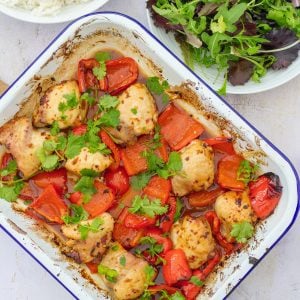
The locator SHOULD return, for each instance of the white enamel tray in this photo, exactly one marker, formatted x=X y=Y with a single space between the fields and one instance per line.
x=267 y=234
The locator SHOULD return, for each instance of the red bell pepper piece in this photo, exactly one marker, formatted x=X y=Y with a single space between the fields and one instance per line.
x=50 y=205
x=190 y=290
x=157 y=234
x=215 y=225
x=132 y=158
x=265 y=193
x=205 y=198
x=168 y=219
x=138 y=221
x=178 y=128
x=176 y=267
x=124 y=201
x=221 y=144
x=158 y=188
x=80 y=130
x=127 y=237
x=120 y=74
x=101 y=201
x=86 y=78
x=106 y=139
x=58 y=178
x=227 y=173
x=117 y=180
x=76 y=198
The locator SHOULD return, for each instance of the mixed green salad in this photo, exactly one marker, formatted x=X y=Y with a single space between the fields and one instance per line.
x=241 y=38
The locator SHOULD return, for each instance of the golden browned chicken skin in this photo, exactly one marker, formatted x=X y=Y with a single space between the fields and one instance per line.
x=233 y=207
x=138 y=114
x=194 y=237
x=47 y=110
x=131 y=280
x=197 y=172
x=23 y=141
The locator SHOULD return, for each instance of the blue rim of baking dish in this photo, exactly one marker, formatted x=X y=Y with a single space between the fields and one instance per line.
x=222 y=99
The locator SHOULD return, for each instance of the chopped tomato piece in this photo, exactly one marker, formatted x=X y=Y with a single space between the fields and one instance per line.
x=221 y=144
x=176 y=267
x=79 y=130
x=124 y=201
x=50 y=205
x=138 y=221
x=227 y=173
x=106 y=139
x=101 y=201
x=86 y=78
x=127 y=237
x=205 y=198
x=120 y=74
x=265 y=193
x=58 y=178
x=178 y=127
x=168 y=219
x=158 y=188
x=117 y=180
x=132 y=158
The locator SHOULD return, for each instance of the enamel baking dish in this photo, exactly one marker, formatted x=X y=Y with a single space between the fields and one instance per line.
x=268 y=233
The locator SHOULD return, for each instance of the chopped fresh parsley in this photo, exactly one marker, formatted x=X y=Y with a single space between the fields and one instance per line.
x=48 y=160
x=11 y=168
x=102 y=56
x=115 y=248
x=246 y=171
x=110 y=118
x=123 y=261
x=139 y=181
x=145 y=206
x=107 y=102
x=134 y=110
x=54 y=128
x=100 y=72
x=94 y=226
x=74 y=145
x=61 y=143
x=85 y=185
x=89 y=172
x=242 y=231
x=166 y=296
x=78 y=214
x=10 y=193
x=88 y=98
x=154 y=248
x=70 y=103
x=150 y=274
x=179 y=207
x=158 y=88
x=196 y=281
x=110 y=274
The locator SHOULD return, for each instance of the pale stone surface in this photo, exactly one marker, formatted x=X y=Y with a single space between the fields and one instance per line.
x=275 y=113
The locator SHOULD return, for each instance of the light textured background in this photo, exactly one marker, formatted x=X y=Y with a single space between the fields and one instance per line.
x=275 y=113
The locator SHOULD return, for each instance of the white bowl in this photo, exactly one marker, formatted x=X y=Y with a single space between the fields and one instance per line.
x=67 y=13
x=211 y=76
x=268 y=233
